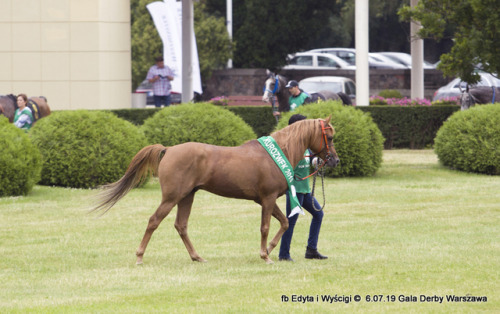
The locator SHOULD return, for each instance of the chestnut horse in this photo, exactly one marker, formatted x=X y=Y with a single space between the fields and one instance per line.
x=244 y=172
x=38 y=106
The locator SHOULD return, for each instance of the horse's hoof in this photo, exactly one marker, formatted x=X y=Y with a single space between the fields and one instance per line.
x=269 y=261
x=139 y=261
x=199 y=259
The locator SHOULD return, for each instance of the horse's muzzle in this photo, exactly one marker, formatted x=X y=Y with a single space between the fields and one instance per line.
x=332 y=161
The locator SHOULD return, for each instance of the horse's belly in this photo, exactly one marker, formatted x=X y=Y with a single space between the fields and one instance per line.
x=235 y=185
x=251 y=184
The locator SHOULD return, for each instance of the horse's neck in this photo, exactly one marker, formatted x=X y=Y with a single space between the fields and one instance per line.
x=283 y=95
x=294 y=153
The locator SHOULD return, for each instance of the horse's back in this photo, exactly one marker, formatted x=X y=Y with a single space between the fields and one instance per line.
x=328 y=95
x=42 y=104
x=238 y=172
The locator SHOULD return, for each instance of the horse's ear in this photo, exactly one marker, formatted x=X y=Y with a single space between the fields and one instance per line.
x=328 y=119
x=269 y=73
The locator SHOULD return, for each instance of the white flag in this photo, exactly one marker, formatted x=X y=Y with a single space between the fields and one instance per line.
x=166 y=19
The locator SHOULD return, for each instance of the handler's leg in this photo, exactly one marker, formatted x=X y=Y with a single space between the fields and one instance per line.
x=286 y=239
x=314 y=229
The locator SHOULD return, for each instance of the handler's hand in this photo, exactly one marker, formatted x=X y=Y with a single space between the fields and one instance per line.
x=314 y=162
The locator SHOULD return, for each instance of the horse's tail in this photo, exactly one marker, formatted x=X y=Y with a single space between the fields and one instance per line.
x=144 y=162
x=346 y=100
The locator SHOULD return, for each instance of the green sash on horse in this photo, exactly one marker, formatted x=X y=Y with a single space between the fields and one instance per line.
x=286 y=168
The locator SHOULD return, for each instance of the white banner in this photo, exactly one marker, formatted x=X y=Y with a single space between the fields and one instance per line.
x=167 y=19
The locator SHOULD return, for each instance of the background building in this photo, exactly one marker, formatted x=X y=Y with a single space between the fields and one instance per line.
x=76 y=53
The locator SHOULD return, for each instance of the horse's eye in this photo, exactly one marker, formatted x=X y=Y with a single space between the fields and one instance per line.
x=329 y=138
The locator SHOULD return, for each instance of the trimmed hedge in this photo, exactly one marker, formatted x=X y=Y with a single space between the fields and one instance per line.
x=85 y=149
x=261 y=119
x=470 y=140
x=402 y=127
x=409 y=127
x=358 y=141
x=197 y=122
x=20 y=162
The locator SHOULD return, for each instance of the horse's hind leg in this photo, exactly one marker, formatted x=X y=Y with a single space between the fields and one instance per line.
x=181 y=224
x=283 y=227
x=155 y=220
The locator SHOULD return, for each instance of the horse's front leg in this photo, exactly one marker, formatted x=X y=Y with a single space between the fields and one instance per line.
x=278 y=214
x=267 y=210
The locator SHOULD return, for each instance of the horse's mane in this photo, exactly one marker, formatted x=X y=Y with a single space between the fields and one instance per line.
x=289 y=137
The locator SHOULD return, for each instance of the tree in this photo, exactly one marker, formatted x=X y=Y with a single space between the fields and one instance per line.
x=476 y=25
x=212 y=41
x=271 y=29
x=146 y=43
x=387 y=33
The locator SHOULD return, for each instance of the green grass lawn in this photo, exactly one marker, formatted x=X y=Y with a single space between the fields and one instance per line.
x=413 y=229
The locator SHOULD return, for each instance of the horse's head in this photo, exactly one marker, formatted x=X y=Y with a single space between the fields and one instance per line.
x=466 y=99
x=271 y=86
x=323 y=146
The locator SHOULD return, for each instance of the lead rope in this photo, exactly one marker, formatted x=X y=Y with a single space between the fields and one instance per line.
x=319 y=172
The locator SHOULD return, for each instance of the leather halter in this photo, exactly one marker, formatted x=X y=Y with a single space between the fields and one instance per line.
x=324 y=146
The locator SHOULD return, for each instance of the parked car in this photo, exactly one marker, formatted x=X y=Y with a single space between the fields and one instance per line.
x=334 y=84
x=384 y=59
x=313 y=60
x=147 y=88
x=404 y=59
x=452 y=89
x=349 y=55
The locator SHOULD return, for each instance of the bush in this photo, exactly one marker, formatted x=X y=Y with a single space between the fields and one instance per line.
x=447 y=101
x=401 y=101
x=85 y=149
x=219 y=101
x=470 y=140
x=197 y=122
x=377 y=101
x=390 y=93
x=358 y=141
x=135 y=115
x=20 y=163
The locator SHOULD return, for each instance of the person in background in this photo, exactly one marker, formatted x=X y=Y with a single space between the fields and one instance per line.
x=306 y=201
x=297 y=96
x=23 y=117
x=161 y=75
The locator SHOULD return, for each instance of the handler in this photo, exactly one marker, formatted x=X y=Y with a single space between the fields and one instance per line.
x=23 y=117
x=306 y=201
x=297 y=96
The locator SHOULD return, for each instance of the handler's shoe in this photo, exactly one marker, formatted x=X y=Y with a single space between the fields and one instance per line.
x=314 y=254
x=286 y=259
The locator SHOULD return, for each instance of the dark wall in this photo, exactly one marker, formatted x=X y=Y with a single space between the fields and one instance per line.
x=231 y=82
